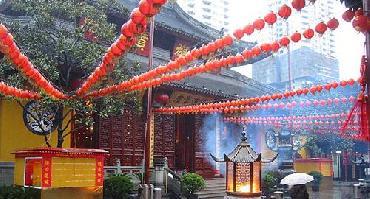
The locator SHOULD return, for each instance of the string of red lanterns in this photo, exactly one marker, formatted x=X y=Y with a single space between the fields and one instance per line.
x=306 y=103
x=10 y=49
x=133 y=27
x=248 y=104
x=205 y=50
x=319 y=126
x=291 y=119
x=18 y=93
x=211 y=65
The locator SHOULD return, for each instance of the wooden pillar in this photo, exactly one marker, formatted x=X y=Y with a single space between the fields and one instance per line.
x=149 y=118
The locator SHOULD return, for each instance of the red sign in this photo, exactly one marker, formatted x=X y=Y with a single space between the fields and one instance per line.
x=46 y=172
x=180 y=49
x=142 y=44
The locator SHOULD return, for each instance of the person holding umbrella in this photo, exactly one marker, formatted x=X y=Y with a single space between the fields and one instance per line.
x=297 y=182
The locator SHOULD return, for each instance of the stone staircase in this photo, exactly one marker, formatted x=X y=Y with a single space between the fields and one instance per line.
x=215 y=189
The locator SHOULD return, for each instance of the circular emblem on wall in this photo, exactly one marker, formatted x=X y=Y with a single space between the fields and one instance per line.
x=271 y=140
x=38 y=119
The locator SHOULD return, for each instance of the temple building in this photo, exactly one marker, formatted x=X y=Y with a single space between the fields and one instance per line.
x=179 y=138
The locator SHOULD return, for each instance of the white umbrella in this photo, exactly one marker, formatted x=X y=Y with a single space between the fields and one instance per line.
x=296 y=178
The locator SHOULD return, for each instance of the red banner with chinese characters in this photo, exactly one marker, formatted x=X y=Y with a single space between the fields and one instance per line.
x=180 y=49
x=99 y=178
x=143 y=44
x=46 y=172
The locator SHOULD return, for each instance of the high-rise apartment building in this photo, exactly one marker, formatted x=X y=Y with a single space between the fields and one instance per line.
x=308 y=17
x=214 y=13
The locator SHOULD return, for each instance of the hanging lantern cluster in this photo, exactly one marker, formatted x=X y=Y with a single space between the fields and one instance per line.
x=136 y=25
x=318 y=125
x=214 y=65
x=250 y=104
x=205 y=50
x=18 y=93
x=9 y=48
x=332 y=116
x=360 y=22
x=207 y=67
x=307 y=103
x=179 y=62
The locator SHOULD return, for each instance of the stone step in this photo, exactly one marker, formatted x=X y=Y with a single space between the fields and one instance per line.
x=212 y=195
x=215 y=187
x=207 y=191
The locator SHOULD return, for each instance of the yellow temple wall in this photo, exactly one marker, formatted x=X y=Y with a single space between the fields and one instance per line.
x=15 y=135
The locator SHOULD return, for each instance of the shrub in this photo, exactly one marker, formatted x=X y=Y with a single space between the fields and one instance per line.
x=317 y=177
x=191 y=183
x=271 y=179
x=17 y=192
x=117 y=187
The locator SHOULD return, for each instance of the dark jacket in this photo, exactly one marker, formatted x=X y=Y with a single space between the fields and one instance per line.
x=299 y=191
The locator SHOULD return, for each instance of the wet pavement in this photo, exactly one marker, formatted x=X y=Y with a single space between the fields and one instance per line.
x=340 y=190
x=337 y=192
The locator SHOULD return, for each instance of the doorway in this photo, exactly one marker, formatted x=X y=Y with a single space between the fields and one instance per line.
x=185 y=139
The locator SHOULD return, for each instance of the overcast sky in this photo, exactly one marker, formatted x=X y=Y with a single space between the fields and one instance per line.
x=349 y=43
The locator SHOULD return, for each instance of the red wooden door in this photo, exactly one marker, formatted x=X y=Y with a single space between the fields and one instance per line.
x=185 y=153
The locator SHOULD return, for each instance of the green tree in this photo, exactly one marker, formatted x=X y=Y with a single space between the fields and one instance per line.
x=326 y=144
x=65 y=40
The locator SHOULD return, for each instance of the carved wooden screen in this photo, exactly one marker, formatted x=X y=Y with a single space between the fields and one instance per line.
x=123 y=137
x=164 y=139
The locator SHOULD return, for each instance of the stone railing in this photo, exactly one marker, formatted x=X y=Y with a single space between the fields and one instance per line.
x=118 y=169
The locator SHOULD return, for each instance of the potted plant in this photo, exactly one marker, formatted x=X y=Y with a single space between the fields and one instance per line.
x=192 y=183
x=317 y=177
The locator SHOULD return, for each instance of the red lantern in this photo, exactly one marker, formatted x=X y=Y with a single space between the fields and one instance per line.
x=348 y=15
x=248 y=29
x=247 y=54
x=126 y=31
x=238 y=33
x=298 y=4
x=333 y=24
x=360 y=23
x=296 y=37
x=308 y=34
x=137 y=17
x=275 y=46
x=162 y=99
x=227 y=40
x=321 y=28
x=284 y=41
x=270 y=18
x=259 y=24
x=147 y=8
x=266 y=47
x=256 y=51
x=285 y=11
